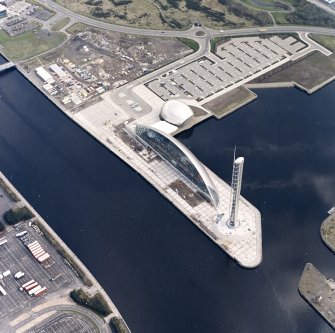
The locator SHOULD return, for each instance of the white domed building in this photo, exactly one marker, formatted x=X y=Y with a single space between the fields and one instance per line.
x=176 y=112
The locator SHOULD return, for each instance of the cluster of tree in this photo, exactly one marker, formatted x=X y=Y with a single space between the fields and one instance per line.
x=194 y=5
x=258 y=17
x=121 y=2
x=94 y=2
x=96 y=303
x=118 y=325
x=175 y=23
x=190 y=43
x=17 y=214
x=308 y=14
x=210 y=13
x=281 y=6
x=173 y=3
x=2 y=227
x=100 y=13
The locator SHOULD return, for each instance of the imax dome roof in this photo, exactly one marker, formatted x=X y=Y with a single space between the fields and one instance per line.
x=176 y=112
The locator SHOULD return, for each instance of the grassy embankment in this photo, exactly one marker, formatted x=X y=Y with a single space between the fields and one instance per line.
x=29 y=44
x=96 y=303
x=118 y=325
x=327 y=41
x=60 y=24
x=309 y=73
x=190 y=43
x=306 y=14
x=229 y=102
x=9 y=191
x=76 y=28
x=267 y=5
x=179 y=14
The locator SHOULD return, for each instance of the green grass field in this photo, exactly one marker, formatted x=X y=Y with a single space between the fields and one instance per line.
x=267 y=5
x=60 y=24
x=29 y=44
x=326 y=41
x=190 y=43
x=77 y=27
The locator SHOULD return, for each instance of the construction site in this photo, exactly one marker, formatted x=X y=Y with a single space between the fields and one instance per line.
x=94 y=61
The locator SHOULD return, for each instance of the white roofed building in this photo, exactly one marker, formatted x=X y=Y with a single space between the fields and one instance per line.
x=44 y=75
x=57 y=70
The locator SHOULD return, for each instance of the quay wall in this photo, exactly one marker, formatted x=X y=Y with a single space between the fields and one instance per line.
x=270 y=85
x=290 y=84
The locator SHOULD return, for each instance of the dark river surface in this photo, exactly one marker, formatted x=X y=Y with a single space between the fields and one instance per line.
x=161 y=271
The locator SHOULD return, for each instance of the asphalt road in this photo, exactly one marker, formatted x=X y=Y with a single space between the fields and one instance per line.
x=203 y=41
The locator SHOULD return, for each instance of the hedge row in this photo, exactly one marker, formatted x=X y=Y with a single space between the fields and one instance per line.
x=96 y=303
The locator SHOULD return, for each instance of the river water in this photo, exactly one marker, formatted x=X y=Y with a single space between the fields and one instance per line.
x=161 y=271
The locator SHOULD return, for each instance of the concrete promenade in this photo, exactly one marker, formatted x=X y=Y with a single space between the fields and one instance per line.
x=96 y=287
x=244 y=244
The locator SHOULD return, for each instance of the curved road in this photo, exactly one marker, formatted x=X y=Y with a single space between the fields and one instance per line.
x=98 y=322
x=204 y=40
x=190 y=33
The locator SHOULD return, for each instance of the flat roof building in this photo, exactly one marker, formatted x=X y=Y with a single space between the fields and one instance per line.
x=44 y=75
x=57 y=70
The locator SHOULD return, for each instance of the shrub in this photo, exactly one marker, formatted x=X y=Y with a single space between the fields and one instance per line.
x=17 y=214
x=118 y=325
x=96 y=303
x=2 y=227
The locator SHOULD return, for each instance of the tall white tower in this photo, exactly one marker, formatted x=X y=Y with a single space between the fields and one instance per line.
x=236 y=183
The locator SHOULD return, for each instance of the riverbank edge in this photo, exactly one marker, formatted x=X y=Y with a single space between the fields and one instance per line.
x=124 y=158
x=241 y=105
x=323 y=237
x=304 y=296
x=69 y=252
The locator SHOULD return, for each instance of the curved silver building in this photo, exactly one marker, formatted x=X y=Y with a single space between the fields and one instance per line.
x=180 y=158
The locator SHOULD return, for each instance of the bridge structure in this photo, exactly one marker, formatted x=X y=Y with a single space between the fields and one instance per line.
x=6 y=66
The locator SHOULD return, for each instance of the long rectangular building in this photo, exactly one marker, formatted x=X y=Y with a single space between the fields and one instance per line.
x=44 y=75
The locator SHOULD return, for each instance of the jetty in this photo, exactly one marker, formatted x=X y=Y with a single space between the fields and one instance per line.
x=4 y=67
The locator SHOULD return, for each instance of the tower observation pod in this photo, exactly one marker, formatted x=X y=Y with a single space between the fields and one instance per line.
x=236 y=183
